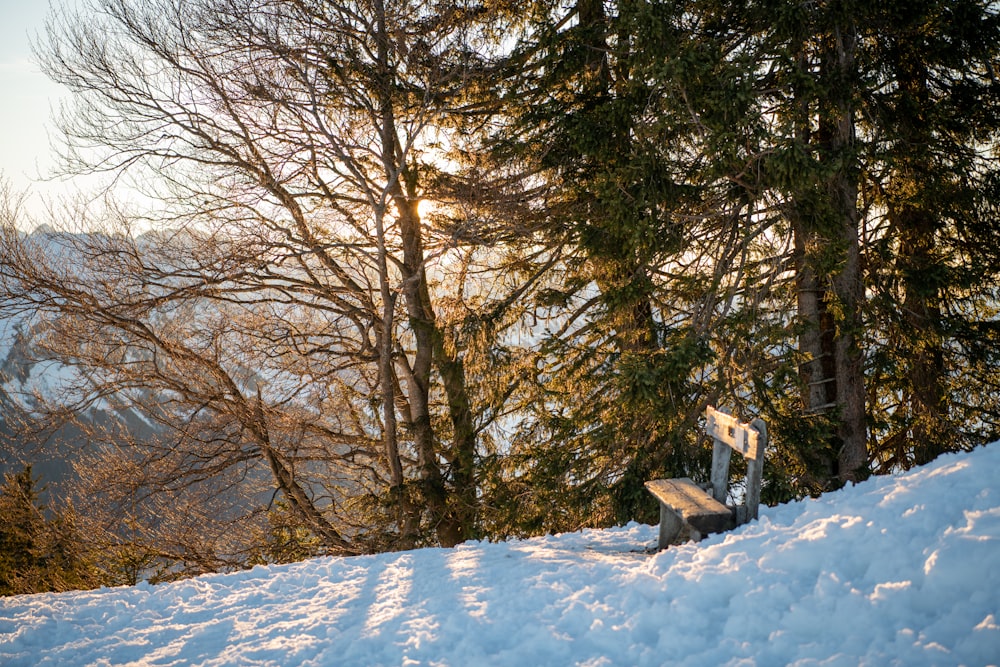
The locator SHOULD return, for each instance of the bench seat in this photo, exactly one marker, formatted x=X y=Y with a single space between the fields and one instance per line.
x=684 y=502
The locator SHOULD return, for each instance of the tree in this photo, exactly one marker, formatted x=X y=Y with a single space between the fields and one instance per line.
x=38 y=553
x=281 y=316
x=714 y=164
x=933 y=267
x=816 y=170
x=607 y=106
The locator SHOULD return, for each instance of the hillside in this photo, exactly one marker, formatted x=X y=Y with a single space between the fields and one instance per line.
x=896 y=571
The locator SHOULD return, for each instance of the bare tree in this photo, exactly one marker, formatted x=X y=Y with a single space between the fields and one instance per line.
x=274 y=309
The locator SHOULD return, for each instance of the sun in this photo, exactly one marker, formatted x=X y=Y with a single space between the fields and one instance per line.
x=425 y=207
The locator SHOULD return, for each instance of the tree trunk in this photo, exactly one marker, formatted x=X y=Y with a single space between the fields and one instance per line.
x=463 y=450
x=922 y=315
x=817 y=370
x=407 y=520
x=414 y=285
x=917 y=263
x=825 y=224
x=847 y=284
x=453 y=519
x=424 y=329
x=817 y=333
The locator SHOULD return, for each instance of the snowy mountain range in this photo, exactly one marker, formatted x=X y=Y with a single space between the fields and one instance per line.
x=24 y=377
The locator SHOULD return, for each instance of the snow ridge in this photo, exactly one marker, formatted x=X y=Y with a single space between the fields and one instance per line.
x=899 y=570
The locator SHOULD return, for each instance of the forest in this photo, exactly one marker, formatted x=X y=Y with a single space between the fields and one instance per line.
x=374 y=275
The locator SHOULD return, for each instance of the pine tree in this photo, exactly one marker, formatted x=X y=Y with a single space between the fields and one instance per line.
x=22 y=528
x=844 y=150
x=819 y=105
x=38 y=554
x=934 y=268
x=642 y=131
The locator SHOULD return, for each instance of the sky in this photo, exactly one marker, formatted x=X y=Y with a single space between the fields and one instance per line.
x=897 y=571
x=26 y=100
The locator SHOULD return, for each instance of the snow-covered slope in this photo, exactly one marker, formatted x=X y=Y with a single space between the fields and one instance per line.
x=897 y=571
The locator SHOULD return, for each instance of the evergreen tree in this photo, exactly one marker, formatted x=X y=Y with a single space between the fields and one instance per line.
x=813 y=173
x=38 y=554
x=669 y=133
x=934 y=264
x=21 y=530
x=642 y=128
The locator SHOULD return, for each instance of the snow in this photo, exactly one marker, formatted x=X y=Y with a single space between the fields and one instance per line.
x=901 y=570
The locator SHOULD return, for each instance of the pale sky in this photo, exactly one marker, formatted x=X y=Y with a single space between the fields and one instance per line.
x=26 y=100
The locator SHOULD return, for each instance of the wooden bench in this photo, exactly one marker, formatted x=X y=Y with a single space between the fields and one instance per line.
x=686 y=506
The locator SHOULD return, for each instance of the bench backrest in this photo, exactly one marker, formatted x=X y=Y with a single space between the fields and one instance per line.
x=729 y=434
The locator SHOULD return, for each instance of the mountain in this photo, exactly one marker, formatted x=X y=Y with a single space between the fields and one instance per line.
x=24 y=377
x=21 y=375
x=900 y=570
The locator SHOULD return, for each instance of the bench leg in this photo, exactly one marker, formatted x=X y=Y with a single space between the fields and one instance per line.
x=670 y=526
